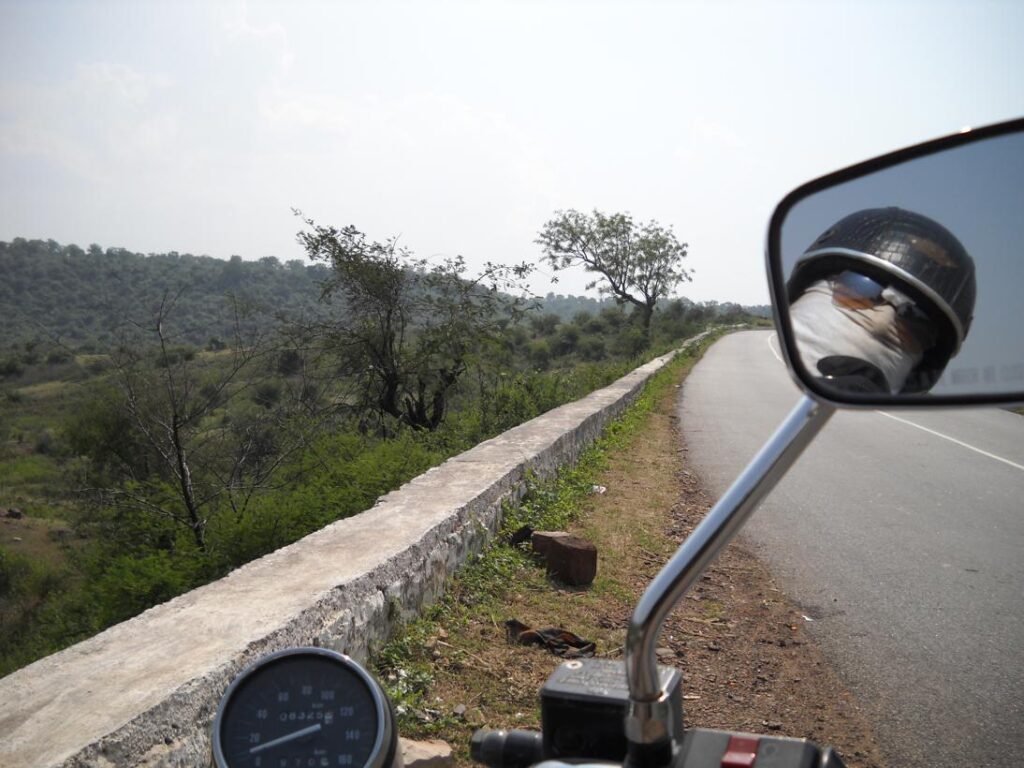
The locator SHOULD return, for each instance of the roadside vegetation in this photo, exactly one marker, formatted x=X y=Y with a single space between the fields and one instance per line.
x=181 y=430
x=453 y=670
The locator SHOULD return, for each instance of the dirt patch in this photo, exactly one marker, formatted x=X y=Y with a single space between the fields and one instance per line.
x=745 y=653
x=43 y=540
x=747 y=662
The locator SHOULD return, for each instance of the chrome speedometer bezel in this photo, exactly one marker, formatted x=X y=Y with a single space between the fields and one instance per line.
x=384 y=751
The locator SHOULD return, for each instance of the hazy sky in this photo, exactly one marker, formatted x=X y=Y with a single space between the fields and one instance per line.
x=462 y=127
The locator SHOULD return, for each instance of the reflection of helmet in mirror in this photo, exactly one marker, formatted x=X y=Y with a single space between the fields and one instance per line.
x=910 y=252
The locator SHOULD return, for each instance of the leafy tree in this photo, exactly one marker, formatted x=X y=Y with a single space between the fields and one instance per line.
x=156 y=455
x=267 y=394
x=630 y=342
x=11 y=367
x=591 y=348
x=289 y=362
x=539 y=352
x=406 y=330
x=233 y=273
x=566 y=339
x=544 y=325
x=637 y=264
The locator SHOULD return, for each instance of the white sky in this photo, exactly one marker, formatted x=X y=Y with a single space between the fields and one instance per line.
x=463 y=126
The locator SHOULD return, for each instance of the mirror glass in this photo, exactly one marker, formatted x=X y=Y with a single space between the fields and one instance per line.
x=909 y=280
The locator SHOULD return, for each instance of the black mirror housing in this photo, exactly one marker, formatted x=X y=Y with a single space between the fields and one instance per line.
x=898 y=281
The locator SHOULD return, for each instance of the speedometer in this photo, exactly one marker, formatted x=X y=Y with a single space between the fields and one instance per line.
x=305 y=708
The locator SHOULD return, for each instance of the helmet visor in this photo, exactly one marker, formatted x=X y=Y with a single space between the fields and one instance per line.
x=854 y=291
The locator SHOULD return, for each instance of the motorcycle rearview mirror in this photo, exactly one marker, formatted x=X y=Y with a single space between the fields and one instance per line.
x=894 y=282
x=897 y=281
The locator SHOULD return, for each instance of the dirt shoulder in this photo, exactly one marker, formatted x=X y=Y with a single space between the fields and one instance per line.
x=747 y=662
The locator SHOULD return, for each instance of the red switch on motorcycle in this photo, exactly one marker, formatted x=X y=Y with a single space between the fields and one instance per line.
x=741 y=752
x=705 y=748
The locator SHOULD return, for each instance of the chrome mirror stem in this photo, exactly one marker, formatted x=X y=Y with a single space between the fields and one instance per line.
x=715 y=531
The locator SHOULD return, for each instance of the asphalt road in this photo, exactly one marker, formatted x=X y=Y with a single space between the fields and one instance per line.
x=901 y=535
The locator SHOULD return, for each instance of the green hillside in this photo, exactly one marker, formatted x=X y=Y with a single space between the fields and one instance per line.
x=81 y=298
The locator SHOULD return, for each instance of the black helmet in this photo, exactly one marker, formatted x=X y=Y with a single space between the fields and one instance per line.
x=911 y=252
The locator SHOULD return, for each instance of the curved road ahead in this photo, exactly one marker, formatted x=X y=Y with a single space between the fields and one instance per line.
x=902 y=536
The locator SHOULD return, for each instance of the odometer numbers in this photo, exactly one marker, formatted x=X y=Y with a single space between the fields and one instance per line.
x=304 y=708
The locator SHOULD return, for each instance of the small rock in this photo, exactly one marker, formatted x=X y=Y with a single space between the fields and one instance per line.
x=460 y=710
x=598 y=489
x=664 y=653
x=714 y=647
x=774 y=726
x=16 y=538
x=542 y=540
x=442 y=634
x=426 y=754
x=15 y=514
x=569 y=558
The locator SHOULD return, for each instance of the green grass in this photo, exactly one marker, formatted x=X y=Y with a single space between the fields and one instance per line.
x=46 y=389
x=28 y=470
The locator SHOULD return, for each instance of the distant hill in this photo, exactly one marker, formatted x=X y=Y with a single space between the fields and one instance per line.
x=567 y=307
x=82 y=297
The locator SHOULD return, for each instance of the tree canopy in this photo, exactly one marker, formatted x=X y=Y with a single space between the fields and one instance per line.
x=406 y=329
x=637 y=263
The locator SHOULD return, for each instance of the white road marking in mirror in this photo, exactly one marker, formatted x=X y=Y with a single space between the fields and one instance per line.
x=772 y=347
x=953 y=440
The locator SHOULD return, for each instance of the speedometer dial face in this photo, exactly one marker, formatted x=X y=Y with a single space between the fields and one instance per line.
x=302 y=708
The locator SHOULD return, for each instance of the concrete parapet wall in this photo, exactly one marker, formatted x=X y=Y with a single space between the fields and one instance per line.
x=144 y=692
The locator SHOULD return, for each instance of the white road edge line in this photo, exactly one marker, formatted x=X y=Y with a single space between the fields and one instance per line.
x=953 y=440
x=1013 y=464
x=772 y=347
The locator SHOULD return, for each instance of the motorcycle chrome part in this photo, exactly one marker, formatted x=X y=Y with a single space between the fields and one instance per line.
x=646 y=721
x=305 y=704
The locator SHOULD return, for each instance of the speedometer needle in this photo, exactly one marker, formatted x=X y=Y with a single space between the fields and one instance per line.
x=285 y=739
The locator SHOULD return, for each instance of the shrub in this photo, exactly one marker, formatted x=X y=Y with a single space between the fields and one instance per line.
x=539 y=353
x=267 y=394
x=11 y=366
x=591 y=348
x=566 y=340
x=289 y=362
